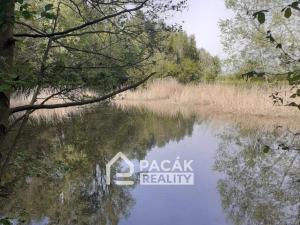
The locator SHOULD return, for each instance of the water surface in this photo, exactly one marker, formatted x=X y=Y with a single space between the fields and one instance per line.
x=242 y=175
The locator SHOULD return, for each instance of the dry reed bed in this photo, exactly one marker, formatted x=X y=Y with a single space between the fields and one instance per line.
x=48 y=115
x=219 y=102
x=228 y=102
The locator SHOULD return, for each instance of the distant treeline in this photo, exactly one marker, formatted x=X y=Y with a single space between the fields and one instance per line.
x=180 y=58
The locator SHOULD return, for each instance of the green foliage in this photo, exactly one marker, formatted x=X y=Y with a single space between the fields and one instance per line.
x=45 y=13
x=182 y=59
x=105 y=51
x=7 y=81
x=294 y=78
x=107 y=55
x=24 y=10
x=293 y=75
x=245 y=40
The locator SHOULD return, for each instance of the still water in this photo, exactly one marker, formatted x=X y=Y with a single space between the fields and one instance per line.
x=242 y=175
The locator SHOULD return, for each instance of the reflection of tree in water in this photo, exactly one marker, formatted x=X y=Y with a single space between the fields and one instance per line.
x=261 y=184
x=69 y=199
x=62 y=166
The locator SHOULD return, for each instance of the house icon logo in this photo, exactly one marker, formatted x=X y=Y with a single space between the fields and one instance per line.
x=117 y=157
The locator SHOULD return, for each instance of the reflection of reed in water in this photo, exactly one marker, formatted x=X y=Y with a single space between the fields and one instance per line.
x=251 y=106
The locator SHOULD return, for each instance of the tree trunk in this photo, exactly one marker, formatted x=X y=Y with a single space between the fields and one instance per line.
x=6 y=60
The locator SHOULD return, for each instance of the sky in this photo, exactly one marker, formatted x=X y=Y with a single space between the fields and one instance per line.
x=201 y=19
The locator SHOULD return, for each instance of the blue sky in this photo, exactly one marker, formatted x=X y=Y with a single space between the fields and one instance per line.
x=201 y=19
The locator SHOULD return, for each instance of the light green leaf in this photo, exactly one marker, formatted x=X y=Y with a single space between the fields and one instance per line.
x=288 y=13
x=266 y=149
x=261 y=17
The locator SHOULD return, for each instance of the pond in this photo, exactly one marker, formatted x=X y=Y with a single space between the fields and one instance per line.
x=242 y=175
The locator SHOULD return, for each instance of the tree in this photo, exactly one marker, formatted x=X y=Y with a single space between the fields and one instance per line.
x=267 y=33
x=70 y=45
x=6 y=60
x=180 y=58
x=246 y=36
